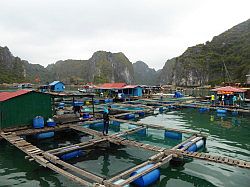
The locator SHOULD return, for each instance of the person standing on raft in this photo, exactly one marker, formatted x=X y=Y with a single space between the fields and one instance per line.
x=106 y=120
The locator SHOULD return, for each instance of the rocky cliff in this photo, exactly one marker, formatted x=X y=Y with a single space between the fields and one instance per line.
x=101 y=67
x=144 y=74
x=225 y=59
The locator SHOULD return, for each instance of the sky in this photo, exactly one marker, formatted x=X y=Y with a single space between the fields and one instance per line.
x=153 y=31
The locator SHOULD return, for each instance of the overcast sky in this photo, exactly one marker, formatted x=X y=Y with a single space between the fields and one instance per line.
x=45 y=31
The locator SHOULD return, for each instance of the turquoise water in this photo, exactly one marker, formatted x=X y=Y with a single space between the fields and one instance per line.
x=228 y=136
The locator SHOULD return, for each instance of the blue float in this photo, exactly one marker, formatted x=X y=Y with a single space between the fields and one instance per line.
x=116 y=123
x=61 y=105
x=106 y=100
x=141 y=114
x=96 y=125
x=185 y=144
x=85 y=115
x=77 y=103
x=96 y=101
x=201 y=110
x=45 y=135
x=129 y=116
x=221 y=111
x=234 y=113
x=51 y=123
x=148 y=178
x=161 y=109
x=73 y=154
x=193 y=147
x=38 y=122
x=173 y=135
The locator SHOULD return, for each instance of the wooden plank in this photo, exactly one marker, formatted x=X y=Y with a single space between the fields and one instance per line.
x=125 y=173
x=82 y=172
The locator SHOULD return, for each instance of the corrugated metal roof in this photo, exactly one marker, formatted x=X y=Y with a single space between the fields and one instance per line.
x=228 y=89
x=117 y=85
x=8 y=95
x=54 y=83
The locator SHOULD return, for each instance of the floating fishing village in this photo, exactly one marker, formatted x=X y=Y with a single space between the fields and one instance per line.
x=124 y=93
x=31 y=117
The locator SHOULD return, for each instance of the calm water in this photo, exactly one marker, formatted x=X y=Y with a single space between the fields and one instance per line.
x=228 y=136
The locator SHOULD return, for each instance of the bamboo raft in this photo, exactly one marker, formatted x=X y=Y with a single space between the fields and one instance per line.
x=51 y=159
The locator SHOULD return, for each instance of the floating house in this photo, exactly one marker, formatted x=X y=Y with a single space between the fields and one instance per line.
x=20 y=107
x=117 y=88
x=229 y=91
x=57 y=86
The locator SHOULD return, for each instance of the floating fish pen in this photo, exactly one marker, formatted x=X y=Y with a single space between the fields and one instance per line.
x=140 y=143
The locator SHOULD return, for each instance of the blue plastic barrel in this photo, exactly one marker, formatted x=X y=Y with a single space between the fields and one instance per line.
x=116 y=123
x=111 y=100
x=142 y=132
x=203 y=110
x=221 y=115
x=184 y=145
x=199 y=144
x=221 y=111
x=173 y=135
x=161 y=109
x=234 y=113
x=96 y=101
x=77 y=103
x=51 y=123
x=148 y=178
x=45 y=135
x=38 y=122
x=73 y=154
x=85 y=115
x=129 y=116
x=192 y=148
x=61 y=105
x=106 y=100
x=141 y=114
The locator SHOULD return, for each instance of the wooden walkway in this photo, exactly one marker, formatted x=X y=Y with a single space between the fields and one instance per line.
x=51 y=158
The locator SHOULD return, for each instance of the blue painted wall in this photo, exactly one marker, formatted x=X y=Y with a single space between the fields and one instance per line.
x=137 y=91
x=59 y=87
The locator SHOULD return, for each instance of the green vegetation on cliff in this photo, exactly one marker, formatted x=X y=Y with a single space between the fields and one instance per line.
x=204 y=63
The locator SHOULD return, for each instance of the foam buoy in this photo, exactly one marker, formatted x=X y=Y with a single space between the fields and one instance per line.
x=148 y=178
x=73 y=154
x=173 y=135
